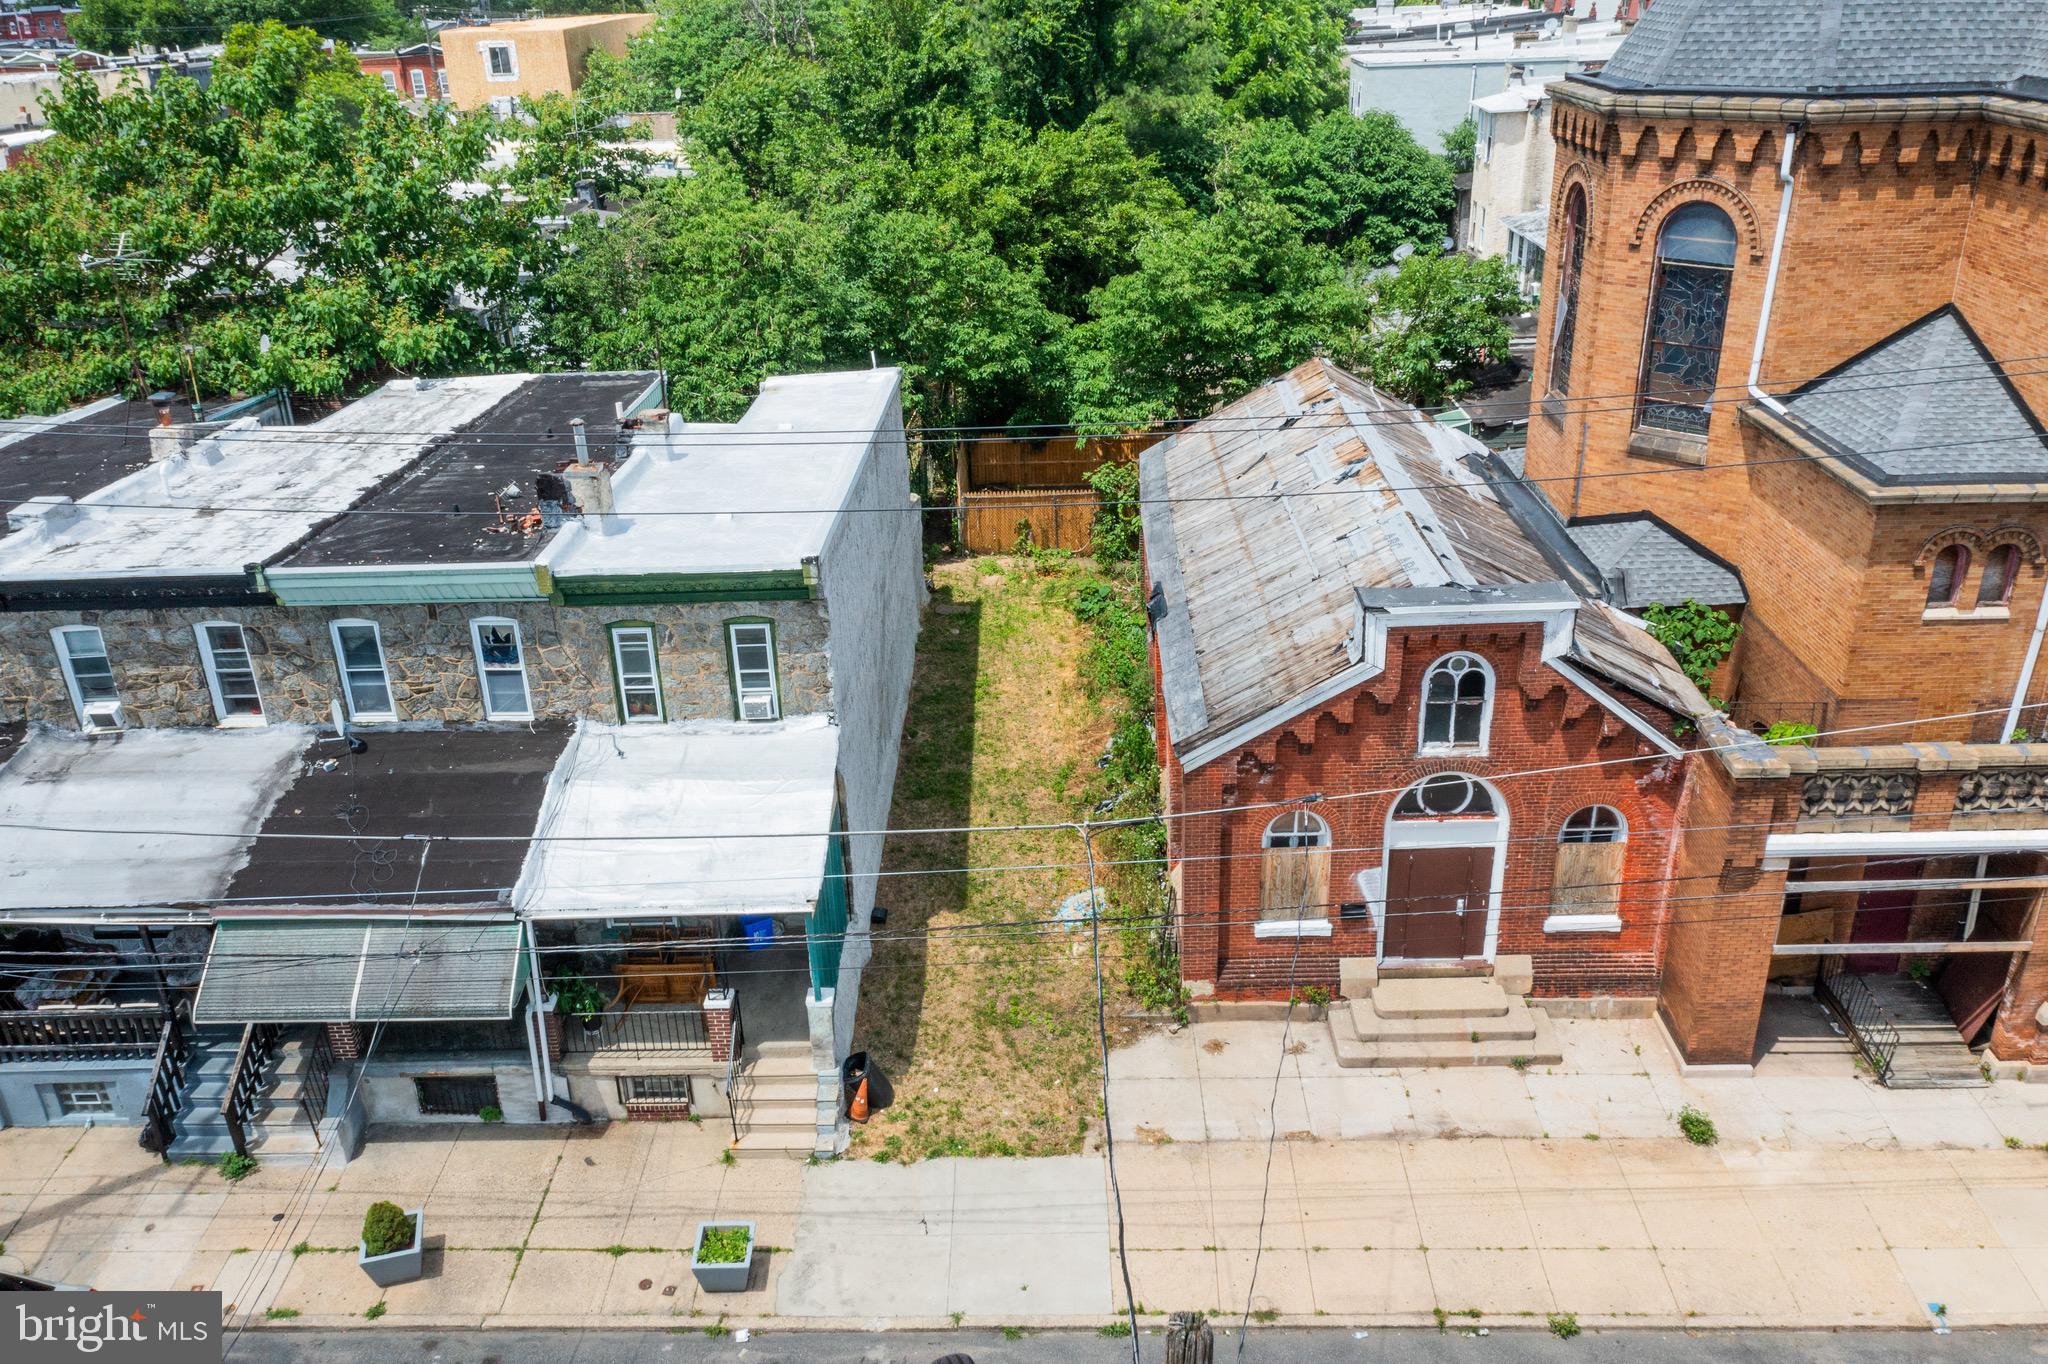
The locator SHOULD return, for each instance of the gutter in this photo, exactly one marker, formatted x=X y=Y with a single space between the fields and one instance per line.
x=1763 y=321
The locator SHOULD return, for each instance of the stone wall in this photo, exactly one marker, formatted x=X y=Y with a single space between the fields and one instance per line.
x=428 y=652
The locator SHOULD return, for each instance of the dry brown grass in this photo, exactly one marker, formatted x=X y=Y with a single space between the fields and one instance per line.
x=987 y=1026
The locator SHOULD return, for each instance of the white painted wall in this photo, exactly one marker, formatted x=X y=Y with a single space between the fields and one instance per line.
x=871 y=576
x=1511 y=165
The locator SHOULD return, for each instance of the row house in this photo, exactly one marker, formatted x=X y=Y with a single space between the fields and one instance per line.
x=1790 y=307
x=412 y=72
x=605 y=695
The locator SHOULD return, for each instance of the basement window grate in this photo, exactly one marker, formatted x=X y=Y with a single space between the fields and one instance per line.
x=456 y=1095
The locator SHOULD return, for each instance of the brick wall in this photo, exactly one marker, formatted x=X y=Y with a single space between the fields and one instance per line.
x=1366 y=739
x=427 y=649
x=1887 y=224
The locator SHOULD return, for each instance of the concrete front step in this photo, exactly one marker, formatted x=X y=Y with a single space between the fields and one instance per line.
x=1539 y=1049
x=1442 y=997
x=1518 y=1024
x=764 y=1088
x=775 y=1143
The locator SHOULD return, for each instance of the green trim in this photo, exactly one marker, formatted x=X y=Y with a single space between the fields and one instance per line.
x=732 y=677
x=778 y=584
x=611 y=644
x=825 y=930
x=406 y=586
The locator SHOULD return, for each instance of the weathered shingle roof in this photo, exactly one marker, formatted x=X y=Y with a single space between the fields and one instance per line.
x=1644 y=562
x=1271 y=525
x=1928 y=404
x=1835 y=47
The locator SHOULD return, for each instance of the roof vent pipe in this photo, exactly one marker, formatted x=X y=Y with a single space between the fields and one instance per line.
x=582 y=442
x=1763 y=317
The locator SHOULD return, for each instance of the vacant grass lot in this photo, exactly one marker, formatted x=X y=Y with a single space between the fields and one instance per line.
x=987 y=1025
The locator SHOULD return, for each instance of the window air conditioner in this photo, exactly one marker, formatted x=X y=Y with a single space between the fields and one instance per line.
x=757 y=705
x=103 y=717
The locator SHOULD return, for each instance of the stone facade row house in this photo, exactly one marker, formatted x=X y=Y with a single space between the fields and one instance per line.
x=516 y=678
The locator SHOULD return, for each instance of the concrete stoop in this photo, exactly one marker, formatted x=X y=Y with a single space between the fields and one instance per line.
x=775 y=1104
x=1437 y=1020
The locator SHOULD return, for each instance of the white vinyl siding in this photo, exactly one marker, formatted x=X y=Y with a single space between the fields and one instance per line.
x=501 y=669
x=359 y=653
x=230 y=672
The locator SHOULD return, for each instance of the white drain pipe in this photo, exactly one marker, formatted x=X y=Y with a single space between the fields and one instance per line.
x=1763 y=321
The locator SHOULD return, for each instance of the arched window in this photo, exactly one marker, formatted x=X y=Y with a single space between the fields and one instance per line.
x=1994 y=582
x=1298 y=829
x=1688 y=311
x=1945 y=579
x=1594 y=824
x=1444 y=795
x=1294 y=880
x=1457 y=696
x=1571 y=253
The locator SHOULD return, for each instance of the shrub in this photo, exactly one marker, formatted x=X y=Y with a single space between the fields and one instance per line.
x=1699 y=637
x=1564 y=1325
x=386 y=1228
x=1790 y=732
x=491 y=1113
x=723 y=1245
x=1697 y=1126
x=235 y=1166
x=1115 y=535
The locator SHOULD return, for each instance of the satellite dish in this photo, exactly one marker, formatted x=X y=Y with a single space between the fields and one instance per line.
x=1551 y=28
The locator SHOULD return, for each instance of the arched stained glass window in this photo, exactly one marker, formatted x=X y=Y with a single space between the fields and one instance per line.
x=1564 y=322
x=1688 y=313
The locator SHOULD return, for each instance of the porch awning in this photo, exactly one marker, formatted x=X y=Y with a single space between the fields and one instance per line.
x=360 y=970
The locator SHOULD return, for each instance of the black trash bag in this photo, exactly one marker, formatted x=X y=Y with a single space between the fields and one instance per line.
x=880 y=1093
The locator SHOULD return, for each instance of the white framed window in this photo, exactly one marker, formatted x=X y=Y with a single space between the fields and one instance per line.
x=419 y=83
x=391 y=81
x=1297 y=829
x=83 y=1098
x=501 y=61
x=230 y=672
x=501 y=669
x=88 y=673
x=1594 y=824
x=637 y=673
x=751 y=647
x=441 y=83
x=1457 y=703
x=359 y=653
x=655 y=1089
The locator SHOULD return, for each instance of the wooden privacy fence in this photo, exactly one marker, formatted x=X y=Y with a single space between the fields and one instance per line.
x=1003 y=463
x=1059 y=518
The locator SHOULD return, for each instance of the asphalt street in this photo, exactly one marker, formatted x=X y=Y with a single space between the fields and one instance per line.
x=1267 y=1345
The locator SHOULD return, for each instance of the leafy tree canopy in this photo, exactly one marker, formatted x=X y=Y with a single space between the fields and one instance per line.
x=123 y=25
x=293 y=200
x=1435 y=319
x=1105 y=211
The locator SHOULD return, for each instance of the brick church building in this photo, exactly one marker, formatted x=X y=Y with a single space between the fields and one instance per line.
x=1791 y=361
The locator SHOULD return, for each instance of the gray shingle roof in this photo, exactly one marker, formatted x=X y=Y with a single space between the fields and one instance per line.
x=1835 y=46
x=1644 y=562
x=1927 y=404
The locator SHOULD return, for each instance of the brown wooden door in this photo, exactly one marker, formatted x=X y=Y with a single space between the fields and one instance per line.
x=1436 y=902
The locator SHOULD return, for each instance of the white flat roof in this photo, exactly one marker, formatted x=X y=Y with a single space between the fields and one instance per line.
x=763 y=794
x=248 y=493
x=1590 y=43
x=774 y=483
x=160 y=780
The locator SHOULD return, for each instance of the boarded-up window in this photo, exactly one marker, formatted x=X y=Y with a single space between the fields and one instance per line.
x=1294 y=879
x=1590 y=848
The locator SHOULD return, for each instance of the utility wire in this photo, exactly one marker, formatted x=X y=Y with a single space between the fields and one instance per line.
x=1123 y=1252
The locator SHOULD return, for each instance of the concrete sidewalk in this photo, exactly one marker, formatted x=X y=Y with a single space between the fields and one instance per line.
x=1214 y=1082
x=1622 y=1233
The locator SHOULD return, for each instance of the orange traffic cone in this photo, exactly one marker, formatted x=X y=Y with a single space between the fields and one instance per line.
x=858 y=1109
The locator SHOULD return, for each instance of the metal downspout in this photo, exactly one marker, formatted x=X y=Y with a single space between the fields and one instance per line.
x=1763 y=321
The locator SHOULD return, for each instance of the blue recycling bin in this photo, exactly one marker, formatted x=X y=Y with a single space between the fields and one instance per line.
x=758 y=930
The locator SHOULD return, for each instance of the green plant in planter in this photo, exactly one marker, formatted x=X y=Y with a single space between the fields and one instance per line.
x=578 y=996
x=723 y=1246
x=491 y=1113
x=386 y=1228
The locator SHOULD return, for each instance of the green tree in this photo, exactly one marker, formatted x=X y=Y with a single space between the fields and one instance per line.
x=292 y=199
x=1362 y=185
x=1434 y=320
x=1281 y=57
x=1461 y=143
x=1211 y=309
x=123 y=25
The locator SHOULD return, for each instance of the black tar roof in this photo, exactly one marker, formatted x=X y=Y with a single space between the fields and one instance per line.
x=72 y=457
x=446 y=781
x=497 y=456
